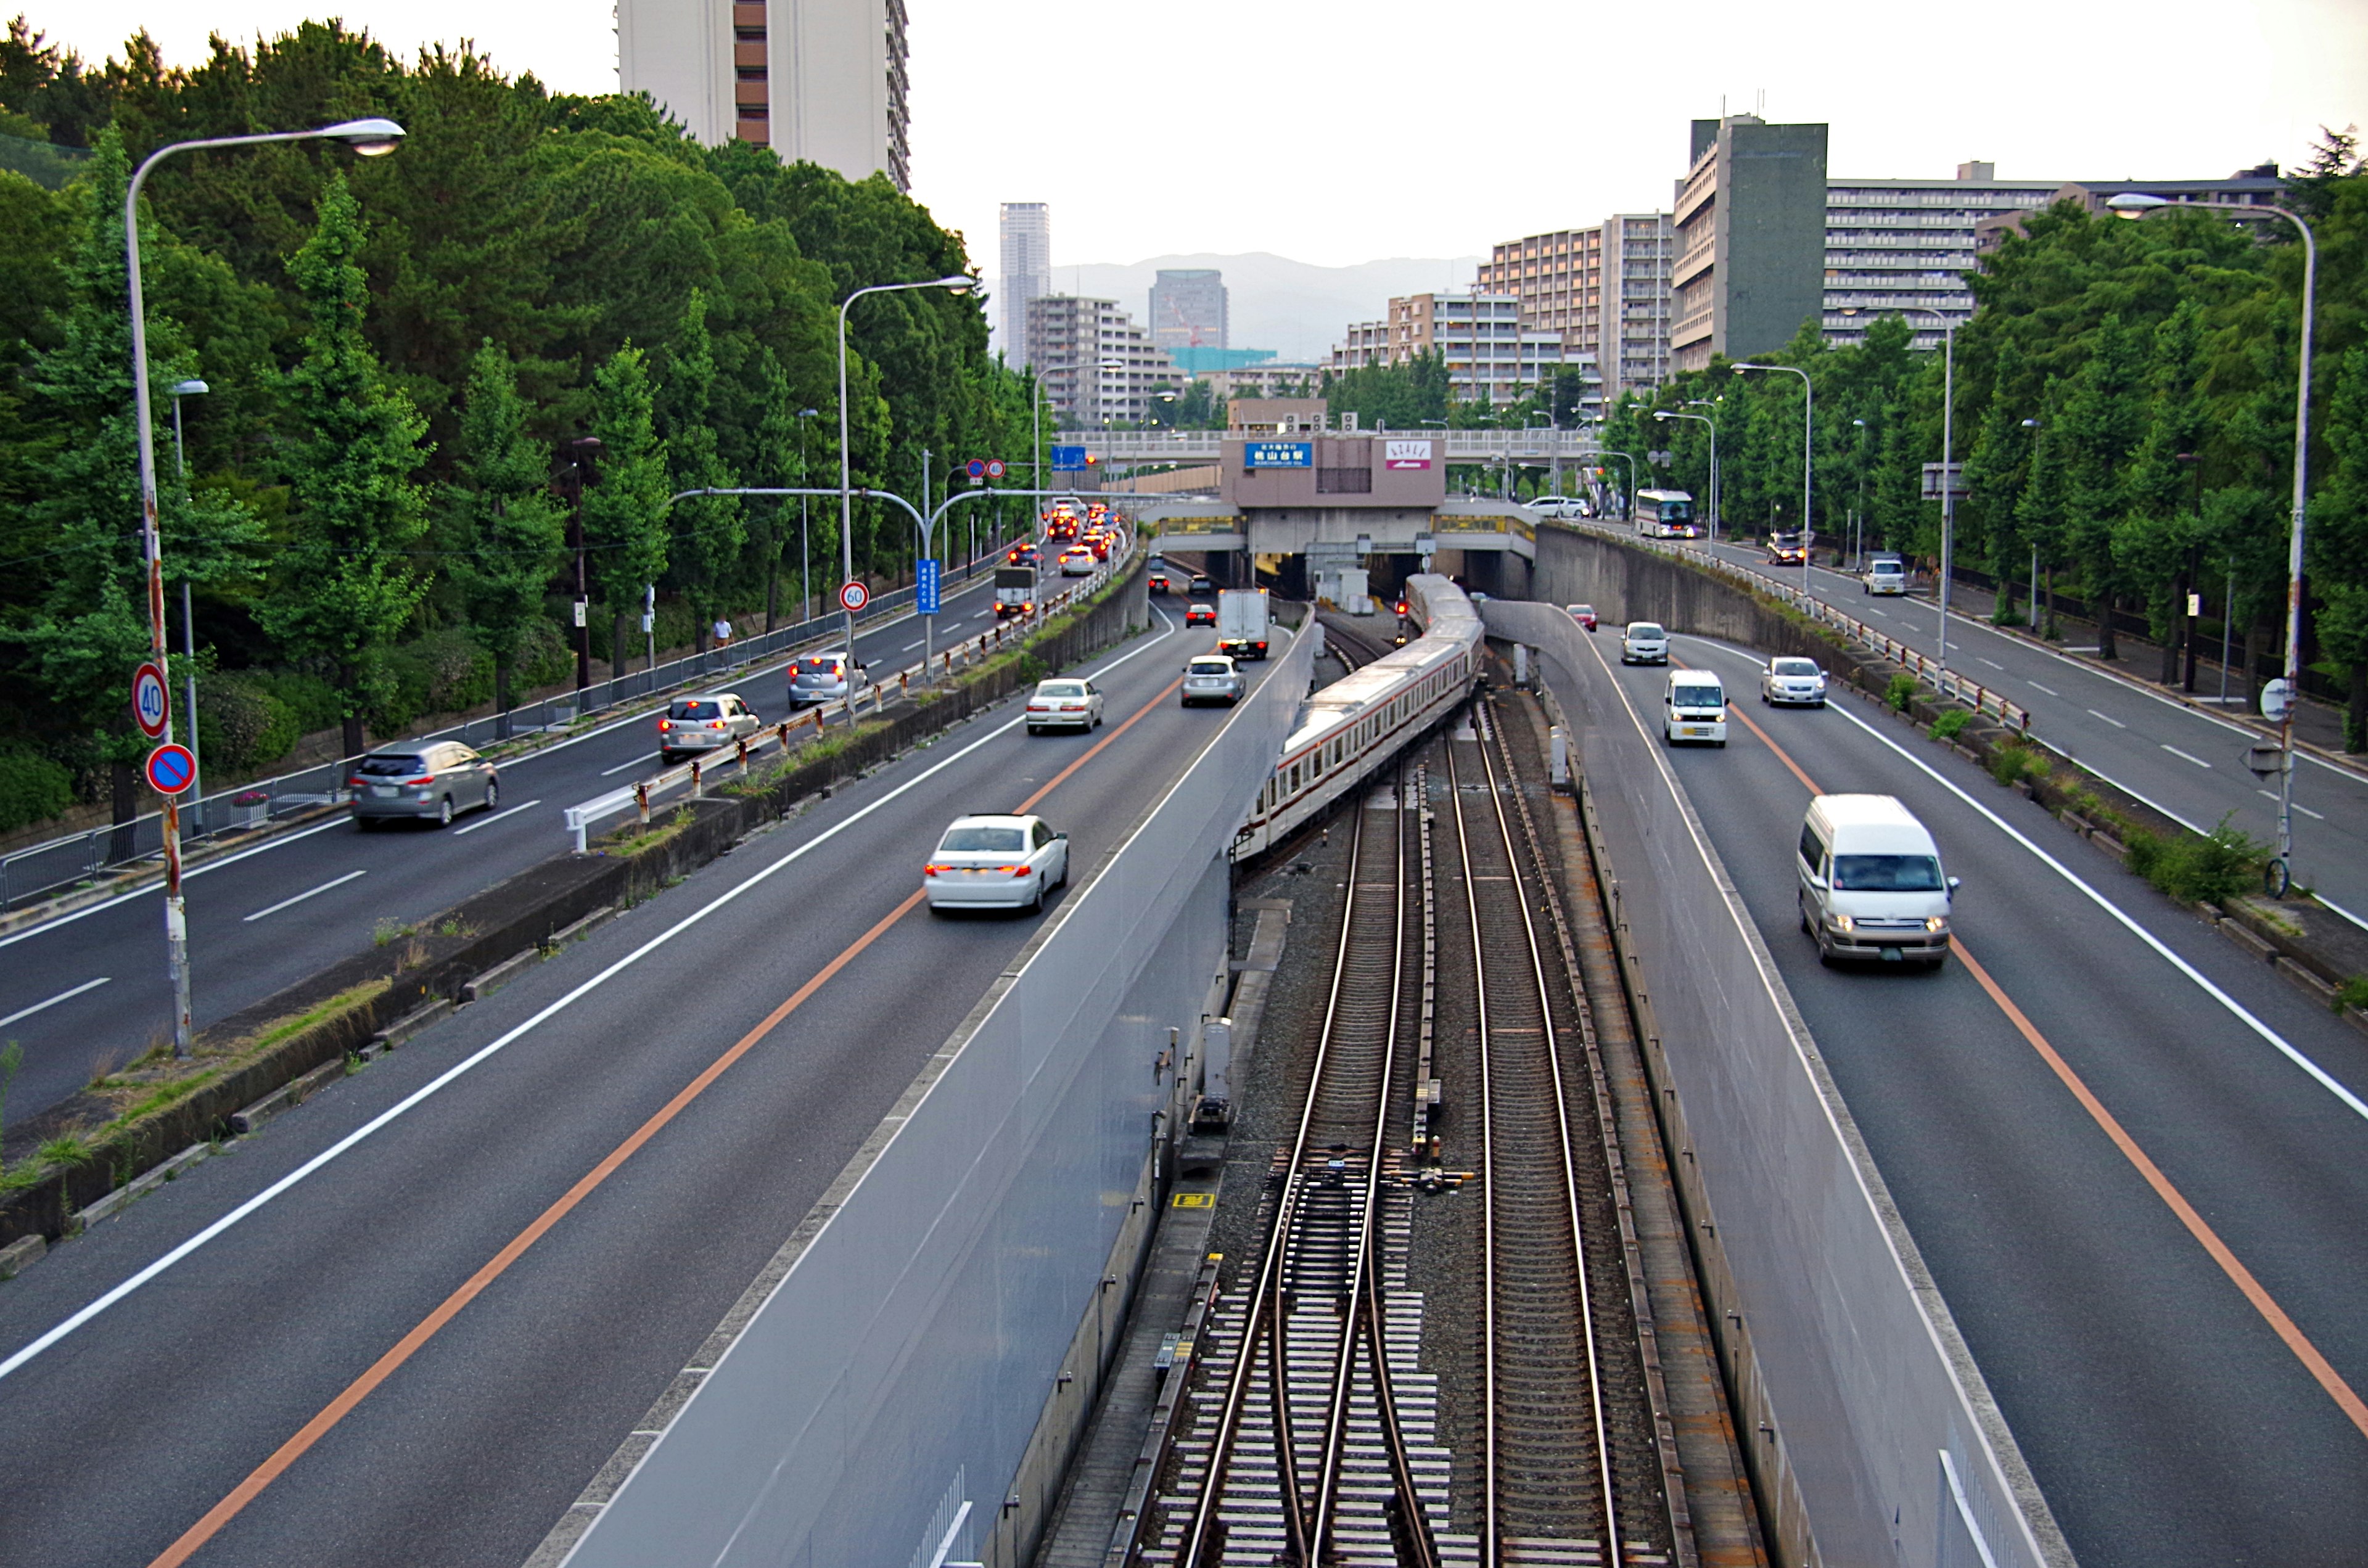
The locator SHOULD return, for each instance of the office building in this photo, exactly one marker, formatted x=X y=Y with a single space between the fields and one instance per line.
x=1750 y=232
x=1097 y=366
x=1489 y=352
x=818 y=81
x=1905 y=245
x=1027 y=270
x=1187 y=308
x=1605 y=290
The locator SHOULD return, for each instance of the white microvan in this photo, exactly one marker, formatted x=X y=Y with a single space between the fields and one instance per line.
x=1694 y=708
x=1885 y=574
x=1872 y=885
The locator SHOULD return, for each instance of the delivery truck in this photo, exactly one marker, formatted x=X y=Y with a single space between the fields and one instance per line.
x=1015 y=592
x=1242 y=624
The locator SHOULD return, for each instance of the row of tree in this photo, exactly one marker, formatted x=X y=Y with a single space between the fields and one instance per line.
x=420 y=367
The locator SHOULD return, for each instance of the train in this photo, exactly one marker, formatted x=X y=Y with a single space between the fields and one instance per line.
x=1351 y=728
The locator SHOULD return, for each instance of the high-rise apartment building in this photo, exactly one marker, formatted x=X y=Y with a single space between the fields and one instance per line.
x=1488 y=349
x=818 y=81
x=1097 y=366
x=1187 y=308
x=1750 y=232
x=1027 y=258
x=1897 y=246
x=1605 y=290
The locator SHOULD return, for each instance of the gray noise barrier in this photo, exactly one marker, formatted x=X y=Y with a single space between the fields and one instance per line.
x=1873 y=1435
x=923 y=1308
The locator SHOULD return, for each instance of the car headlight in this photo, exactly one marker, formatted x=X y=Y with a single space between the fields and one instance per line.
x=1936 y=923
x=1843 y=923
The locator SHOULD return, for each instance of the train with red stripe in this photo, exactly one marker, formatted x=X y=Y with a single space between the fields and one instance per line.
x=1349 y=730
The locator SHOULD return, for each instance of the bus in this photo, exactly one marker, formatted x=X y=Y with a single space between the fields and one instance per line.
x=1666 y=514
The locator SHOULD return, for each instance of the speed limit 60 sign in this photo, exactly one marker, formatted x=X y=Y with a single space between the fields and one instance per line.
x=150 y=705
x=854 y=596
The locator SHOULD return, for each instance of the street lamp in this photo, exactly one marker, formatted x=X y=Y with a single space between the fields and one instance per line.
x=1629 y=512
x=958 y=284
x=1858 y=512
x=1703 y=419
x=805 y=557
x=176 y=392
x=2137 y=204
x=1808 y=455
x=370 y=138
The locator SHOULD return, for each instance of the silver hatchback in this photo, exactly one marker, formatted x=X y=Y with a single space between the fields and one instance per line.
x=703 y=723
x=431 y=782
x=824 y=677
x=1212 y=677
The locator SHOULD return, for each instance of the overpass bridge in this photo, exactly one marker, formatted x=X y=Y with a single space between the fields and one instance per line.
x=1128 y=449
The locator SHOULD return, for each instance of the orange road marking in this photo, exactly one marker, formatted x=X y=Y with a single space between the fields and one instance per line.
x=1058 y=779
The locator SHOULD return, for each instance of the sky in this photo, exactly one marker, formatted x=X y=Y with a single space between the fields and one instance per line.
x=1338 y=132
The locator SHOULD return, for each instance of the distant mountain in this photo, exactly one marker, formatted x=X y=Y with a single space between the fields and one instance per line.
x=1298 y=310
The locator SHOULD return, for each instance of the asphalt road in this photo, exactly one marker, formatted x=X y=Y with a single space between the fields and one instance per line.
x=2185 y=763
x=84 y=993
x=2165 y=1416
x=150 y=1414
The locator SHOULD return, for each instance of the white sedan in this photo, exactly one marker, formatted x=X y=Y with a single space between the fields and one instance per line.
x=1077 y=561
x=995 y=862
x=1063 y=705
x=1792 y=680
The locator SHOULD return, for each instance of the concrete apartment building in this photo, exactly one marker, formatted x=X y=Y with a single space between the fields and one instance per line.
x=1905 y=245
x=1605 y=290
x=2251 y=187
x=1096 y=365
x=1187 y=308
x=1026 y=273
x=1750 y=236
x=822 y=81
x=1488 y=348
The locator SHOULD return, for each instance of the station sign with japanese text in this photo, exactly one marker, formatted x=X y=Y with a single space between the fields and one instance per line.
x=1279 y=454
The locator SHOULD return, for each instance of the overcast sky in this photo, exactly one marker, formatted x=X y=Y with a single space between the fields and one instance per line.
x=1337 y=131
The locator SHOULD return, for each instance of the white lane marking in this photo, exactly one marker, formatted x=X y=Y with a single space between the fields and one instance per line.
x=1991 y=663
x=640 y=761
x=325 y=887
x=485 y=1054
x=61 y=996
x=1885 y=613
x=2184 y=757
x=908 y=647
x=488 y=822
x=158 y=887
x=2049 y=689
x=2272 y=794
x=2108 y=718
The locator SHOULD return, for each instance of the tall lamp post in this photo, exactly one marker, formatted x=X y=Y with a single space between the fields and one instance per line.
x=176 y=392
x=958 y=284
x=1703 y=419
x=805 y=556
x=370 y=138
x=1629 y=512
x=1808 y=450
x=2279 y=875
x=579 y=450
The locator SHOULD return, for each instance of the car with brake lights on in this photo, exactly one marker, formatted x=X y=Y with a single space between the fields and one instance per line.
x=1786 y=549
x=1583 y=614
x=427 y=782
x=1212 y=677
x=995 y=862
x=703 y=723
x=1155 y=580
x=824 y=677
x=1099 y=542
x=1065 y=704
x=1021 y=554
x=1076 y=562
x=1644 y=642
x=1201 y=615
x=1792 y=681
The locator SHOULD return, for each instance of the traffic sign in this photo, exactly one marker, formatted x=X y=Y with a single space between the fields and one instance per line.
x=170 y=768
x=976 y=468
x=150 y=704
x=853 y=597
x=995 y=468
x=925 y=587
x=2277 y=701
x=1067 y=459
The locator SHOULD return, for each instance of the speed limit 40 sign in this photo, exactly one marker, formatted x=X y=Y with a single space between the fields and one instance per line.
x=150 y=704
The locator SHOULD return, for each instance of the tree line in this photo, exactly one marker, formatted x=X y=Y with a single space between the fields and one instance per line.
x=421 y=370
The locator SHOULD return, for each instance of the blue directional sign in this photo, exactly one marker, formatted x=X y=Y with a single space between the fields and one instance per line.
x=1279 y=454
x=1068 y=458
x=925 y=588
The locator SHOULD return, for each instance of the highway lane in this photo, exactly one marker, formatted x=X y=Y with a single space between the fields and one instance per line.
x=155 y=1410
x=2167 y=1420
x=84 y=993
x=2184 y=763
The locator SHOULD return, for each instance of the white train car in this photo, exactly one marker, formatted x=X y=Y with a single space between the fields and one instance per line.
x=1353 y=726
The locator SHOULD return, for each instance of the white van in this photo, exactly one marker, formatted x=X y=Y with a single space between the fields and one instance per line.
x=1870 y=882
x=1693 y=708
x=1885 y=574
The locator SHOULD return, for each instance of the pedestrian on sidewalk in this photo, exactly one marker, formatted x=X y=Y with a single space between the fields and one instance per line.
x=723 y=632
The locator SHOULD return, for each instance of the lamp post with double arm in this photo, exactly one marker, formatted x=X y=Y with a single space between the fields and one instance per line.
x=1808 y=450
x=958 y=284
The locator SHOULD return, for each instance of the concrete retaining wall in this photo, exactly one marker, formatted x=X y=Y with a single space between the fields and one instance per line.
x=923 y=1309
x=1871 y=1435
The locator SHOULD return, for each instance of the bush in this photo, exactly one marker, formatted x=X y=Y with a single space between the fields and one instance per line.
x=443 y=672
x=2200 y=868
x=32 y=788
x=543 y=657
x=241 y=727
x=1946 y=727
x=2353 y=993
x=1901 y=691
x=315 y=703
x=2012 y=763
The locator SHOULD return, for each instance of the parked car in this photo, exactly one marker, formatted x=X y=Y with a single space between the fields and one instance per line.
x=825 y=677
x=1583 y=614
x=1063 y=705
x=1212 y=677
x=1076 y=562
x=430 y=782
x=1201 y=615
x=995 y=862
x=1792 y=681
x=1556 y=507
x=1871 y=884
x=702 y=723
x=1644 y=642
x=1200 y=584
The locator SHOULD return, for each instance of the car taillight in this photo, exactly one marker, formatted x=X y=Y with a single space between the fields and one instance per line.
x=715 y=723
x=422 y=779
x=932 y=869
x=665 y=724
x=1016 y=870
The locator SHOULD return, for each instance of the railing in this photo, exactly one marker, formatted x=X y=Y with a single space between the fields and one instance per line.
x=45 y=869
x=1950 y=683
x=1461 y=445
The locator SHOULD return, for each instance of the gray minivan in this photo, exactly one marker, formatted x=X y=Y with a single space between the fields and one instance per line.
x=1871 y=883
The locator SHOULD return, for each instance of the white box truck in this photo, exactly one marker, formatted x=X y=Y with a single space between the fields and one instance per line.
x=1242 y=624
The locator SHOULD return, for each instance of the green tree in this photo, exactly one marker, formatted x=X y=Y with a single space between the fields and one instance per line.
x=2039 y=511
x=709 y=531
x=346 y=581
x=514 y=529
x=2338 y=542
x=625 y=522
x=2155 y=540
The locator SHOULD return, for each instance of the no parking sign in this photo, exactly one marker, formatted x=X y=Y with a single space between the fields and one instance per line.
x=170 y=768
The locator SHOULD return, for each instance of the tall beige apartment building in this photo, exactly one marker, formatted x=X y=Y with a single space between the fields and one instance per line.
x=818 y=81
x=1605 y=290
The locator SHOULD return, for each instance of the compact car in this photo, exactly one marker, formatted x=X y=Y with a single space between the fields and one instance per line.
x=1076 y=562
x=1583 y=614
x=1212 y=677
x=428 y=782
x=1793 y=681
x=703 y=723
x=824 y=677
x=1644 y=642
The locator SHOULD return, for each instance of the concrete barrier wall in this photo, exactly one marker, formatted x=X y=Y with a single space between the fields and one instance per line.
x=925 y=1306
x=1882 y=1443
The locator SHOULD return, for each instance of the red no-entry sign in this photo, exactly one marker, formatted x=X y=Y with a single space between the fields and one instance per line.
x=854 y=597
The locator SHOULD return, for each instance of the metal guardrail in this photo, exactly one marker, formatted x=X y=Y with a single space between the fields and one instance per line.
x=1461 y=445
x=57 y=864
x=1950 y=683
